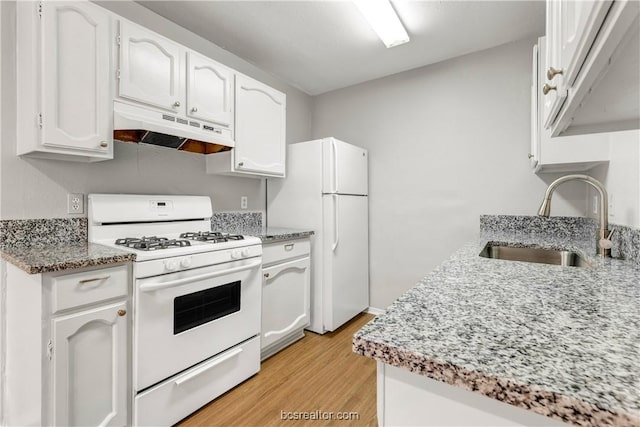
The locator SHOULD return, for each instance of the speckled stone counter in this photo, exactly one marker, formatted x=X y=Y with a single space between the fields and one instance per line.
x=58 y=258
x=277 y=234
x=251 y=224
x=561 y=341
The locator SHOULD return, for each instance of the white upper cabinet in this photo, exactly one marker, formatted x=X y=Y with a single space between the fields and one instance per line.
x=555 y=93
x=559 y=154
x=579 y=24
x=164 y=75
x=65 y=46
x=209 y=90
x=571 y=29
x=260 y=128
x=260 y=122
x=592 y=52
x=151 y=68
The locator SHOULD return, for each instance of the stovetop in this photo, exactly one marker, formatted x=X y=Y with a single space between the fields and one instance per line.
x=152 y=243
x=161 y=245
x=211 y=236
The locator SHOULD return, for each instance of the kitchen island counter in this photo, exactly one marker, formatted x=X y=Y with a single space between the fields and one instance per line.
x=560 y=341
x=46 y=259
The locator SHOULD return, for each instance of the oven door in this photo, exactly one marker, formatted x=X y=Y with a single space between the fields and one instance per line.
x=185 y=317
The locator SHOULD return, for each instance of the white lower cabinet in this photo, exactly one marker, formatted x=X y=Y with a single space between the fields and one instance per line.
x=68 y=347
x=405 y=398
x=89 y=362
x=286 y=287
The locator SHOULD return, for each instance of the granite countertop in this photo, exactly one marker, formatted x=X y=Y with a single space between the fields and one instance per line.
x=274 y=234
x=46 y=259
x=560 y=341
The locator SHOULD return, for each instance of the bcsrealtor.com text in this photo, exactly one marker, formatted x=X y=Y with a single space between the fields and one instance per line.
x=319 y=415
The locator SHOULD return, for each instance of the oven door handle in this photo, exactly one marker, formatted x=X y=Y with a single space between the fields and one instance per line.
x=205 y=368
x=179 y=282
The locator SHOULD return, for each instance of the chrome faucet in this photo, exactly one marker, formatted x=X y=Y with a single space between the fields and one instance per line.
x=603 y=246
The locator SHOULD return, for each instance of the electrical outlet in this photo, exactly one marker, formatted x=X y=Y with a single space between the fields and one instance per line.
x=75 y=203
x=611 y=207
x=243 y=202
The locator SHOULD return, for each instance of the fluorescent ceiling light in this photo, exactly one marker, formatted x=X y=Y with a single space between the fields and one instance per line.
x=384 y=21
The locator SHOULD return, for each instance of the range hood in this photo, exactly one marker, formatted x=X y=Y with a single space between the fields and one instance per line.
x=137 y=124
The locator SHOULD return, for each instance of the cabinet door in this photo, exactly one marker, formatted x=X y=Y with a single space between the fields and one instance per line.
x=556 y=95
x=579 y=25
x=151 y=68
x=533 y=152
x=571 y=29
x=90 y=367
x=260 y=128
x=209 y=90
x=285 y=300
x=75 y=76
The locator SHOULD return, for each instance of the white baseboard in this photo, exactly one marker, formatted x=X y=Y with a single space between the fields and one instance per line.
x=375 y=311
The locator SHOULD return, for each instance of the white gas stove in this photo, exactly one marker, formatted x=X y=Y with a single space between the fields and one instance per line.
x=196 y=300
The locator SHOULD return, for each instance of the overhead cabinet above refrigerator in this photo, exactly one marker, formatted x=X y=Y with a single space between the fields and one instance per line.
x=326 y=190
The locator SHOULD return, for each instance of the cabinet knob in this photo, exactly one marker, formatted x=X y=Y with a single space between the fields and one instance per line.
x=266 y=275
x=176 y=104
x=104 y=144
x=548 y=88
x=531 y=156
x=122 y=312
x=552 y=72
x=194 y=110
x=240 y=164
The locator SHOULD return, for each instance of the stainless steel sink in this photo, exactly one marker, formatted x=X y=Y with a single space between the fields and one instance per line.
x=543 y=256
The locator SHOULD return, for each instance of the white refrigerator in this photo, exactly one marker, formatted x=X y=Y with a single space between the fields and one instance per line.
x=326 y=190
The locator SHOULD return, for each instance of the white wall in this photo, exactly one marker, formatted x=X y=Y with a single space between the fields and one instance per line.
x=447 y=143
x=33 y=188
x=3 y=335
x=622 y=178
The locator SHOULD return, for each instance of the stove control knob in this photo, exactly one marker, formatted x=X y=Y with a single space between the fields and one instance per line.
x=185 y=262
x=245 y=252
x=171 y=264
x=235 y=255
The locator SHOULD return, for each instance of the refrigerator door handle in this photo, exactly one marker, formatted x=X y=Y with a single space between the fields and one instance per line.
x=334 y=148
x=336 y=235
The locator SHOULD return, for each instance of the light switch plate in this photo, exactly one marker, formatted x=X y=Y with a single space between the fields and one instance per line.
x=75 y=203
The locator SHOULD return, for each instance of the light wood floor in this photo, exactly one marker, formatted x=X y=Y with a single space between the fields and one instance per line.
x=317 y=373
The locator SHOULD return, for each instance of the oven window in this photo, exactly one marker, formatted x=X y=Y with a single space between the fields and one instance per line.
x=201 y=307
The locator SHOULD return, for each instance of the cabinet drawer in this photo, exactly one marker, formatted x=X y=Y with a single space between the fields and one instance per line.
x=170 y=401
x=87 y=287
x=276 y=252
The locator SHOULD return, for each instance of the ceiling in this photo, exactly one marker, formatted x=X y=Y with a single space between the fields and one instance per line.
x=320 y=46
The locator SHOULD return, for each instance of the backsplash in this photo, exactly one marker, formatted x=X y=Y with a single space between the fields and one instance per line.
x=42 y=232
x=626 y=243
x=36 y=233
x=577 y=230
x=236 y=222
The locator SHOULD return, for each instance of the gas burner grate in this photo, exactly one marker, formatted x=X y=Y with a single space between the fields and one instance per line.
x=151 y=243
x=211 y=236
